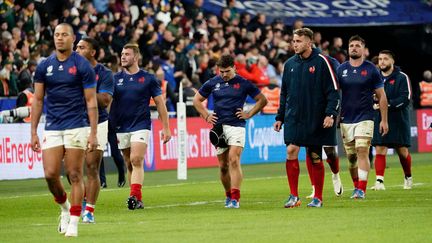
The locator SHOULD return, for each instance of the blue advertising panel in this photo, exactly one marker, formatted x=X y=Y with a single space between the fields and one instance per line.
x=263 y=144
x=334 y=12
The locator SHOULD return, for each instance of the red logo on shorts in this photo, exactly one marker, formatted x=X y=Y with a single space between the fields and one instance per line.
x=363 y=73
x=312 y=69
x=236 y=86
x=141 y=80
x=72 y=70
x=392 y=81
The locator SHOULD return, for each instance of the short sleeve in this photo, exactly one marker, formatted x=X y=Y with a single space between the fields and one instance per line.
x=106 y=82
x=40 y=73
x=155 y=87
x=252 y=90
x=205 y=90
x=87 y=74
x=377 y=81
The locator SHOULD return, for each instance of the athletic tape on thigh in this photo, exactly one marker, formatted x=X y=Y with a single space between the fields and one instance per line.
x=350 y=148
x=315 y=152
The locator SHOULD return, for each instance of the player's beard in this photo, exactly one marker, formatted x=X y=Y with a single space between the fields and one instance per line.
x=386 y=68
x=355 y=56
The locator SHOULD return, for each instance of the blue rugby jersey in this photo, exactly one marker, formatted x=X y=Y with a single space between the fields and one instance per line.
x=105 y=84
x=64 y=83
x=228 y=97
x=358 y=85
x=130 y=109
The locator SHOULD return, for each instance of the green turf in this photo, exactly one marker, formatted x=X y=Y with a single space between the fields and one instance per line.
x=192 y=211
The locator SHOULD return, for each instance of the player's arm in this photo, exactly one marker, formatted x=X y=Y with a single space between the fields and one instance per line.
x=163 y=114
x=204 y=113
x=37 y=106
x=331 y=90
x=106 y=90
x=404 y=94
x=282 y=103
x=383 y=106
x=92 y=112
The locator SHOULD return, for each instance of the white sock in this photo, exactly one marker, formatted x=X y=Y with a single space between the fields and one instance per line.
x=380 y=178
x=65 y=206
x=362 y=174
x=74 y=220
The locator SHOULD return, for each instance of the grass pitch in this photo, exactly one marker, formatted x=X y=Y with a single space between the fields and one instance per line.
x=192 y=210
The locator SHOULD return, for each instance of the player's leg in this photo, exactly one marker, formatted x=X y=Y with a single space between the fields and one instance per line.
x=236 y=174
x=363 y=137
x=52 y=160
x=380 y=165
x=102 y=177
x=93 y=161
x=224 y=174
x=116 y=155
x=405 y=160
x=315 y=153
x=333 y=161
x=309 y=169
x=347 y=132
x=293 y=172
x=139 y=141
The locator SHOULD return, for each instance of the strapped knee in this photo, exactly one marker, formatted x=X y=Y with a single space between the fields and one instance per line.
x=362 y=142
x=315 y=153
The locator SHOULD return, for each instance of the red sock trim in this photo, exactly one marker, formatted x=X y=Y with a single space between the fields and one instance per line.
x=60 y=199
x=75 y=210
x=136 y=191
x=362 y=185
x=334 y=164
x=380 y=164
x=318 y=177
x=355 y=182
x=309 y=168
x=293 y=172
x=235 y=194
x=90 y=209
x=406 y=165
x=228 y=194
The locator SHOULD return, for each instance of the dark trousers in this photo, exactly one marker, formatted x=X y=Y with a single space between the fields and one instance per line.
x=115 y=153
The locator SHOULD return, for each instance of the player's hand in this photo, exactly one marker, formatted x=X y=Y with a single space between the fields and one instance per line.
x=92 y=143
x=384 y=128
x=277 y=126
x=35 y=143
x=376 y=106
x=241 y=114
x=166 y=135
x=328 y=122
x=212 y=118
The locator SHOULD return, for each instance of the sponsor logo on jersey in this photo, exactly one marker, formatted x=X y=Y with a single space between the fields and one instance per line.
x=217 y=87
x=345 y=73
x=120 y=82
x=60 y=68
x=49 y=70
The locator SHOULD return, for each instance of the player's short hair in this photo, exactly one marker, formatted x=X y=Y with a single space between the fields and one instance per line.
x=71 y=30
x=226 y=61
x=304 y=32
x=389 y=53
x=94 y=44
x=134 y=47
x=357 y=38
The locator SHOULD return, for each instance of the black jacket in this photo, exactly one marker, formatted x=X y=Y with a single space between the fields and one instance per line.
x=398 y=91
x=309 y=93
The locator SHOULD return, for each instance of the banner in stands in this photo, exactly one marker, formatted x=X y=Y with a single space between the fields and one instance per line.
x=17 y=159
x=424 y=120
x=333 y=12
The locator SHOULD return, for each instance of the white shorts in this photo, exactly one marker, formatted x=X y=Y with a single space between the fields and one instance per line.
x=102 y=135
x=69 y=138
x=352 y=130
x=235 y=136
x=125 y=139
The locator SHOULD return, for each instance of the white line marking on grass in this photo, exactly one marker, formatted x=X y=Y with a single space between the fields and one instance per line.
x=184 y=204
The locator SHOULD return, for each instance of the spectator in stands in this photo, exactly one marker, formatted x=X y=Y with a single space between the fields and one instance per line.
x=8 y=80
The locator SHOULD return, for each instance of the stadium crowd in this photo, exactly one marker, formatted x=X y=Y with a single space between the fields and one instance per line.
x=178 y=41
